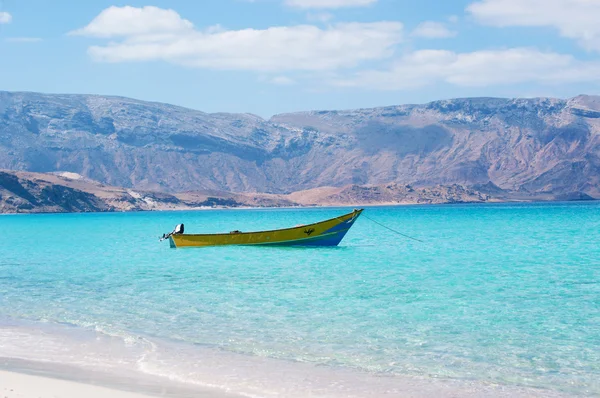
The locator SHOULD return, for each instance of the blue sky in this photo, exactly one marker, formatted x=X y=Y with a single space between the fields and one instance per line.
x=273 y=56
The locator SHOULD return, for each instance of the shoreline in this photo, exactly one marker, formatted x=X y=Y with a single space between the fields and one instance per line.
x=305 y=207
x=31 y=379
x=183 y=370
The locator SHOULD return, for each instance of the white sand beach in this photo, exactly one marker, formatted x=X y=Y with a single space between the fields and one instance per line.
x=17 y=385
x=33 y=379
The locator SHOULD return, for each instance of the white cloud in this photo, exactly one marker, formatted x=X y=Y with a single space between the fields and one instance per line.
x=23 y=39
x=129 y=21
x=149 y=33
x=477 y=69
x=432 y=30
x=328 y=3
x=5 y=17
x=574 y=19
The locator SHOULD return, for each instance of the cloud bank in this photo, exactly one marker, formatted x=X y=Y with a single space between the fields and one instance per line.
x=476 y=69
x=151 y=33
x=333 y=55
x=574 y=19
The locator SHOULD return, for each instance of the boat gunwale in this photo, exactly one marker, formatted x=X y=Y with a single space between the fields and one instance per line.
x=357 y=211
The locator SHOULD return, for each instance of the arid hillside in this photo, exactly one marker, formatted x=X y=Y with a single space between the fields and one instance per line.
x=539 y=147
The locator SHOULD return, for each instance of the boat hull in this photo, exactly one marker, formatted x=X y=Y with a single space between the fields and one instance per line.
x=324 y=233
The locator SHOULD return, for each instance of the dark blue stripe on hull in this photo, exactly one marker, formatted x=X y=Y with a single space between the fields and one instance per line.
x=330 y=240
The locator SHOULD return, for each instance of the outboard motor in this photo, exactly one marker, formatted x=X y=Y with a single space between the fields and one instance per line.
x=177 y=231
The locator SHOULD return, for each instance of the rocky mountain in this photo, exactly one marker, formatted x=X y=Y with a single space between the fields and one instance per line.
x=27 y=192
x=528 y=147
x=22 y=193
x=388 y=194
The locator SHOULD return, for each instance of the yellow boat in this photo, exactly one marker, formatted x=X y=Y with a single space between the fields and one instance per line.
x=324 y=233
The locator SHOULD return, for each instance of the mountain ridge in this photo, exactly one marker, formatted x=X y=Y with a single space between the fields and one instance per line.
x=544 y=146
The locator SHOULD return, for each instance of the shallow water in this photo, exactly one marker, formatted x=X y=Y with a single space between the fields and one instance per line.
x=505 y=294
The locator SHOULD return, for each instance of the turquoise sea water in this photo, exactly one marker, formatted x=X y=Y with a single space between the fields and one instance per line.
x=503 y=294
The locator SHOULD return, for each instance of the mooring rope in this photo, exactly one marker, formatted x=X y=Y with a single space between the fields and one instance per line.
x=393 y=230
